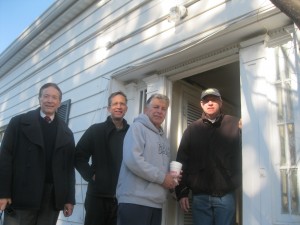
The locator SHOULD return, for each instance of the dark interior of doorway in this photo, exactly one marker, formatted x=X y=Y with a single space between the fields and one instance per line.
x=226 y=79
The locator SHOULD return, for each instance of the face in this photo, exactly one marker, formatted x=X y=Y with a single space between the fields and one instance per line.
x=118 y=107
x=49 y=100
x=211 y=106
x=156 y=111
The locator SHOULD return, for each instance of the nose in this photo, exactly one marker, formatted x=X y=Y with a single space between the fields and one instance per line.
x=51 y=99
x=160 y=110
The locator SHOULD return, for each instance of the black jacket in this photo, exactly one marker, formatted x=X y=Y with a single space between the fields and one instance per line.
x=103 y=143
x=211 y=157
x=22 y=163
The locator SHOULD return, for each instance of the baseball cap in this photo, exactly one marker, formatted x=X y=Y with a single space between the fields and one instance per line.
x=210 y=91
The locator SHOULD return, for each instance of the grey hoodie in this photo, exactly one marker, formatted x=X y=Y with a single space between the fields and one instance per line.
x=146 y=157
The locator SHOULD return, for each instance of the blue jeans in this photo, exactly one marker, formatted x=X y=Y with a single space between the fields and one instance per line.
x=209 y=210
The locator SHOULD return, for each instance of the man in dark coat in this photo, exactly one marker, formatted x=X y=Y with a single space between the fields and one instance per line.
x=37 y=164
x=211 y=154
x=103 y=143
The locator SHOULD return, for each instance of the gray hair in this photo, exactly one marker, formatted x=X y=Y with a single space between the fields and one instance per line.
x=160 y=97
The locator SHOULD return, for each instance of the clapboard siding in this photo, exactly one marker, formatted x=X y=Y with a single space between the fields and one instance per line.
x=83 y=54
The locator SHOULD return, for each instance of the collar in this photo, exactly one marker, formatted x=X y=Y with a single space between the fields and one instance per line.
x=212 y=121
x=216 y=121
x=43 y=115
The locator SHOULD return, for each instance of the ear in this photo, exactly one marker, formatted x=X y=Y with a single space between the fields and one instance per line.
x=220 y=103
x=145 y=110
x=201 y=104
x=126 y=109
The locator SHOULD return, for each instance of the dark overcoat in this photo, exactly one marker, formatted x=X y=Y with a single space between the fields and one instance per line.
x=23 y=160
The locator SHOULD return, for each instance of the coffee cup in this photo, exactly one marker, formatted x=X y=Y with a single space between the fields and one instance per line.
x=175 y=169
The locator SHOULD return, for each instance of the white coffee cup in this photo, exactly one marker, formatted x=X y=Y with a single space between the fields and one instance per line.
x=175 y=169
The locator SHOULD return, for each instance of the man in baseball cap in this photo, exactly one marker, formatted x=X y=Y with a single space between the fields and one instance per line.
x=210 y=91
x=210 y=152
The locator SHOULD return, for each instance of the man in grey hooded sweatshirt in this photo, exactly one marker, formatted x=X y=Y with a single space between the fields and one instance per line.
x=144 y=178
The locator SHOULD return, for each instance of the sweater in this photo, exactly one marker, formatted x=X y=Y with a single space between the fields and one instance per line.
x=146 y=157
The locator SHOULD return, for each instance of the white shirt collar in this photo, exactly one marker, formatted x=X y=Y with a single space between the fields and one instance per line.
x=212 y=121
x=43 y=115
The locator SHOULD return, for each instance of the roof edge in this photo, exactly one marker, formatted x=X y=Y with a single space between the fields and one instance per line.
x=57 y=13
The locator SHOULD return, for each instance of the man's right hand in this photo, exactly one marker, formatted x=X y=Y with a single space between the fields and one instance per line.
x=4 y=202
x=169 y=182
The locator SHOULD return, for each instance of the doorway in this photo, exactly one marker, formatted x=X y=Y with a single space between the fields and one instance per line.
x=227 y=80
x=186 y=93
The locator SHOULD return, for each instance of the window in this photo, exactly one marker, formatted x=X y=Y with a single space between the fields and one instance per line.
x=289 y=171
x=143 y=99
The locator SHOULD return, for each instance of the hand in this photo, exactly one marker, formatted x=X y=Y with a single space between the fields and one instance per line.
x=169 y=182
x=184 y=204
x=68 y=209
x=4 y=202
x=240 y=124
x=179 y=177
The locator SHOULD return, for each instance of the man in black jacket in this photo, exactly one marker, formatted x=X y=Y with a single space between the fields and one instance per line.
x=37 y=164
x=210 y=151
x=103 y=143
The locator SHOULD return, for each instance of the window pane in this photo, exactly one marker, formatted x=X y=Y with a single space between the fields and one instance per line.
x=285 y=65
x=277 y=64
x=294 y=192
x=282 y=145
x=292 y=148
x=288 y=100
x=280 y=103
x=143 y=99
x=284 y=192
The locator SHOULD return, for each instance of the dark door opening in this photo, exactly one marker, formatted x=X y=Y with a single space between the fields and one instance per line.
x=227 y=80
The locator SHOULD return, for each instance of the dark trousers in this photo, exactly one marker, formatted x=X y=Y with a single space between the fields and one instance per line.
x=132 y=214
x=46 y=215
x=100 y=211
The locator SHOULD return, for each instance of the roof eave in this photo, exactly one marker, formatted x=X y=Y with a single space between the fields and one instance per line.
x=60 y=13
